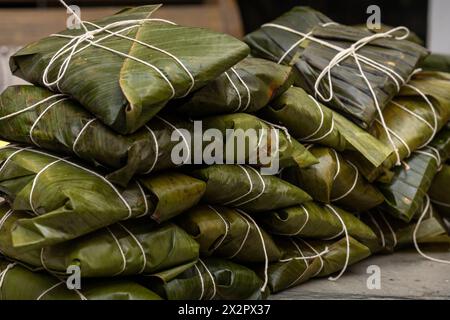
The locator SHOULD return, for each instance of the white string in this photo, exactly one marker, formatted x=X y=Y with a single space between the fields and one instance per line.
x=236 y=90
x=338 y=165
x=440 y=203
x=266 y=257
x=305 y=261
x=33 y=186
x=353 y=185
x=226 y=229
x=244 y=240
x=182 y=137
x=5 y=217
x=249 y=96
x=293 y=47
x=326 y=134
x=212 y=279
x=49 y=289
x=263 y=189
x=383 y=241
x=39 y=118
x=282 y=128
x=130 y=212
x=394 y=236
x=32 y=106
x=301 y=227
x=319 y=256
x=347 y=240
x=408 y=150
x=436 y=156
x=11 y=155
x=3 y=274
x=415 y=115
x=427 y=207
x=156 y=150
x=325 y=251
x=124 y=259
x=75 y=142
x=202 y=282
x=322 y=118
x=144 y=257
x=245 y=194
x=145 y=200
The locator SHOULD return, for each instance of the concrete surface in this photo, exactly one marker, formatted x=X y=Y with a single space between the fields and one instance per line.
x=404 y=275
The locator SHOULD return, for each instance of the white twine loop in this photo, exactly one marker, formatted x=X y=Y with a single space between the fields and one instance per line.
x=236 y=90
x=139 y=244
x=391 y=230
x=89 y=35
x=122 y=254
x=144 y=197
x=355 y=181
x=3 y=274
x=156 y=149
x=212 y=279
x=319 y=256
x=79 y=135
x=416 y=229
x=227 y=228
x=249 y=96
x=263 y=189
x=375 y=223
x=435 y=155
x=188 y=155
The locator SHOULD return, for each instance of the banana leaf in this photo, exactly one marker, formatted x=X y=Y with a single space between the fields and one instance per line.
x=303 y=260
x=405 y=192
x=439 y=192
x=19 y=283
x=310 y=121
x=436 y=62
x=315 y=221
x=209 y=279
x=412 y=121
x=335 y=180
x=245 y=188
x=69 y=200
x=394 y=234
x=153 y=61
x=127 y=248
x=247 y=87
x=228 y=233
x=287 y=152
x=312 y=40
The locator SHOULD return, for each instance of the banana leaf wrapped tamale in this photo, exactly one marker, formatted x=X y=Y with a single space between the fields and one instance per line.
x=19 y=283
x=303 y=260
x=247 y=87
x=245 y=188
x=123 y=69
x=406 y=190
x=315 y=221
x=209 y=279
x=69 y=200
x=335 y=180
x=228 y=233
x=33 y=115
x=439 y=192
x=127 y=248
x=356 y=71
x=393 y=234
x=311 y=122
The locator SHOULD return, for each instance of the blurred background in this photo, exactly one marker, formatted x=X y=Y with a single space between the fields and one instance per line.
x=24 y=21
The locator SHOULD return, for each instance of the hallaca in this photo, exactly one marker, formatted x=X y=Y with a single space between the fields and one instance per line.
x=19 y=283
x=413 y=118
x=246 y=87
x=309 y=121
x=353 y=70
x=335 y=180
x=69 y=200
x=303 y=260
x=315 y=221
x=394 y=234
x=209 y=279
x=254 y=138
x=247 y=189
x=228 y=233
x=126 y=248
x=126 y=67
x=439 y=193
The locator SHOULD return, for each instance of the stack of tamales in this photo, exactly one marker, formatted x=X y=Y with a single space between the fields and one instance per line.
x=106 y=180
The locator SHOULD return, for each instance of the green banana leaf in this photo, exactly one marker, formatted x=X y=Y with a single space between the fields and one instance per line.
x=312 y=220
x=350 y=93
x=411 y=120
x=228 y=233
x=287 y=151
x=19 y=283
x=405 y=192
x=439 y=192
x=247 y=189
x=394 y=234
x=247 y=87
x=209 y=279
x=127 y=87
x=127 y=248
x=335 y=180
x=436 y=62
x=69 y=200
x=310 y=121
